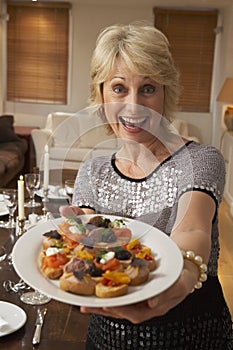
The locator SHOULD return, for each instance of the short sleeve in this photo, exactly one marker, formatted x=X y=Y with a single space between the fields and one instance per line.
x=83 y=194
x=203 y=171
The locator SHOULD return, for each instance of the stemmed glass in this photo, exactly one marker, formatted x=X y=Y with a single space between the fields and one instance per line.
x=25 y=292
x=10 y=199
x=34 y=298
x=32 y=182
x=69 y=188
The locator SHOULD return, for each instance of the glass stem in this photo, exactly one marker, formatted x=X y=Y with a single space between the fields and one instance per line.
x=32 y=199
x=11 y=220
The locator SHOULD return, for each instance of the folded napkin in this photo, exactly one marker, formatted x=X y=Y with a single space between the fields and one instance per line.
x=33 y=218
x=55 y=190
x=3 y=323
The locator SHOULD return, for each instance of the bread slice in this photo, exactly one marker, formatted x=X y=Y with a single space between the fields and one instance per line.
x=138 y=275
x=103 y=291
x=52 y=273
x=152 y=264
x=83 y=286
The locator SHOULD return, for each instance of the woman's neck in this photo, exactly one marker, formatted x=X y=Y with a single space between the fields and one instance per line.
x=138 y=161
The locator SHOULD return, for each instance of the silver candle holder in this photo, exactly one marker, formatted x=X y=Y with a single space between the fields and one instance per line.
x=21 y=225
x=45 y=200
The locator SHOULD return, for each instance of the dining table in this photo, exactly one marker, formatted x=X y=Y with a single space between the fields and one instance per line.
x=64 y=325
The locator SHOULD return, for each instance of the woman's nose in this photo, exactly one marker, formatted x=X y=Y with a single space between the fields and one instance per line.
x=133 y=97
x=133 y=101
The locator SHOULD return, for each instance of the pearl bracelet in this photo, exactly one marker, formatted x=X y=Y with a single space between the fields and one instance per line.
x=198 y=261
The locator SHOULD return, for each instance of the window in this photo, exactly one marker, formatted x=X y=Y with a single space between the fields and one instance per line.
x=37 y=52
x=192 y=39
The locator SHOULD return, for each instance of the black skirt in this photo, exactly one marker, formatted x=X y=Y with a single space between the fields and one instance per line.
x=201 y=322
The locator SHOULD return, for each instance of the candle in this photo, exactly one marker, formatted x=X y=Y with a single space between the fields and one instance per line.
x=21 y=198
x=46 y=168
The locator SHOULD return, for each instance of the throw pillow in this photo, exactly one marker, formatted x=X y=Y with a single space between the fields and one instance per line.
x=7 y=133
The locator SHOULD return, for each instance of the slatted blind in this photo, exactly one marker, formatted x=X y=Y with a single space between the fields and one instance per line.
x=37 y=52
x=192 y=39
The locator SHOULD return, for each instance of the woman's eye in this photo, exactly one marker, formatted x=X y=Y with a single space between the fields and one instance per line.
x=148 y=89
x=119 y=89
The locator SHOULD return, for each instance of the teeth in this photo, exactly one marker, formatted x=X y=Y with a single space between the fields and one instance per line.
x=134 y=120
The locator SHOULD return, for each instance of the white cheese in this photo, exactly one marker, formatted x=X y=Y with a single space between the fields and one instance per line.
x=53 y=250
x=106 y=257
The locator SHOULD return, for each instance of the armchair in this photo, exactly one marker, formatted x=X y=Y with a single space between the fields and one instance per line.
x=72 y=138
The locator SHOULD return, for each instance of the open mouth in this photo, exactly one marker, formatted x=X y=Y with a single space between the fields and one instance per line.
x=133 y=123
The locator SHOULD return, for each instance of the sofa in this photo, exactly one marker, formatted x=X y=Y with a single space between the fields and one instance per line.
x=73 y=138
x=12 y=151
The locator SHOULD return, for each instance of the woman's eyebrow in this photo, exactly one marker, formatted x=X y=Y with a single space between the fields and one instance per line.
x=120 y=77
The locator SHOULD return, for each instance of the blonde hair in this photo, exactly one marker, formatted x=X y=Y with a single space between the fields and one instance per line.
x=145 y=51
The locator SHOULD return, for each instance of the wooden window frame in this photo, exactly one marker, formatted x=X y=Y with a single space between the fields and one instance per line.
x=38 y=52
x=192 y=41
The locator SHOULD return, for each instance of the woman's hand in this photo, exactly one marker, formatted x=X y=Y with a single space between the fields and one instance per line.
x=157 y=306
x=70 y=210
x=73 y=210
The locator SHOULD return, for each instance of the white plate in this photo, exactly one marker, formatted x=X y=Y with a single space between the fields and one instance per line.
x=169 y=258
x=3 y=209
x=55 y=192
x=13 y=315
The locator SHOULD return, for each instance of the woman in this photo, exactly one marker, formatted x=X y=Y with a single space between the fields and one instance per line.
x=159 y=178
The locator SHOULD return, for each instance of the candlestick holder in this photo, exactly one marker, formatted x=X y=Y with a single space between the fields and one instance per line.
x=21 y=225
x=45 y=201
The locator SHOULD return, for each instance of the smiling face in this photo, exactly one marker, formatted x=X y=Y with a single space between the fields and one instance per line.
x=131 y=102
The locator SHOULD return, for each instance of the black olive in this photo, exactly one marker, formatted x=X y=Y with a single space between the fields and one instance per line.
x=122 y=254
x=99 y=221
x=52 y=234
x=94 y=271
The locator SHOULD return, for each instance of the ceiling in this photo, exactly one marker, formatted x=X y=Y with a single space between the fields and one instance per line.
x=164 y=3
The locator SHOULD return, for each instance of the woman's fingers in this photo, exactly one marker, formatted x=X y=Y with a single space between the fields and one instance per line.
x=70 y=211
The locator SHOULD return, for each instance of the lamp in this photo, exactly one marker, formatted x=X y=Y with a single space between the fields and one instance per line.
x=226 y=95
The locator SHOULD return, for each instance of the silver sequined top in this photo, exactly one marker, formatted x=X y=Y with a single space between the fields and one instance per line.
x=154 y=199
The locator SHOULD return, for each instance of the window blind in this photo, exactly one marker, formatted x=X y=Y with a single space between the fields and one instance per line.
x=37 y=52
x=192 y=40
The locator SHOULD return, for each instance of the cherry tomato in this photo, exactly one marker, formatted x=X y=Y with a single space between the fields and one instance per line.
x=109 y=265
x=55 y=260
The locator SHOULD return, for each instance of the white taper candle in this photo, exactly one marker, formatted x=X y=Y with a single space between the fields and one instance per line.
x=21 y=197
x=46 y=168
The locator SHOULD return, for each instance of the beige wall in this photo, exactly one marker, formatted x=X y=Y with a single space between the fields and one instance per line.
x=87 y=21
x=223 y=69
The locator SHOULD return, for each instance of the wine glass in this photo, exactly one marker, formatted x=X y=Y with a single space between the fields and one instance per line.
x=32 y=182
x=10 y=199
x=69 y=188
x=34 y=298
x=31 y=297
